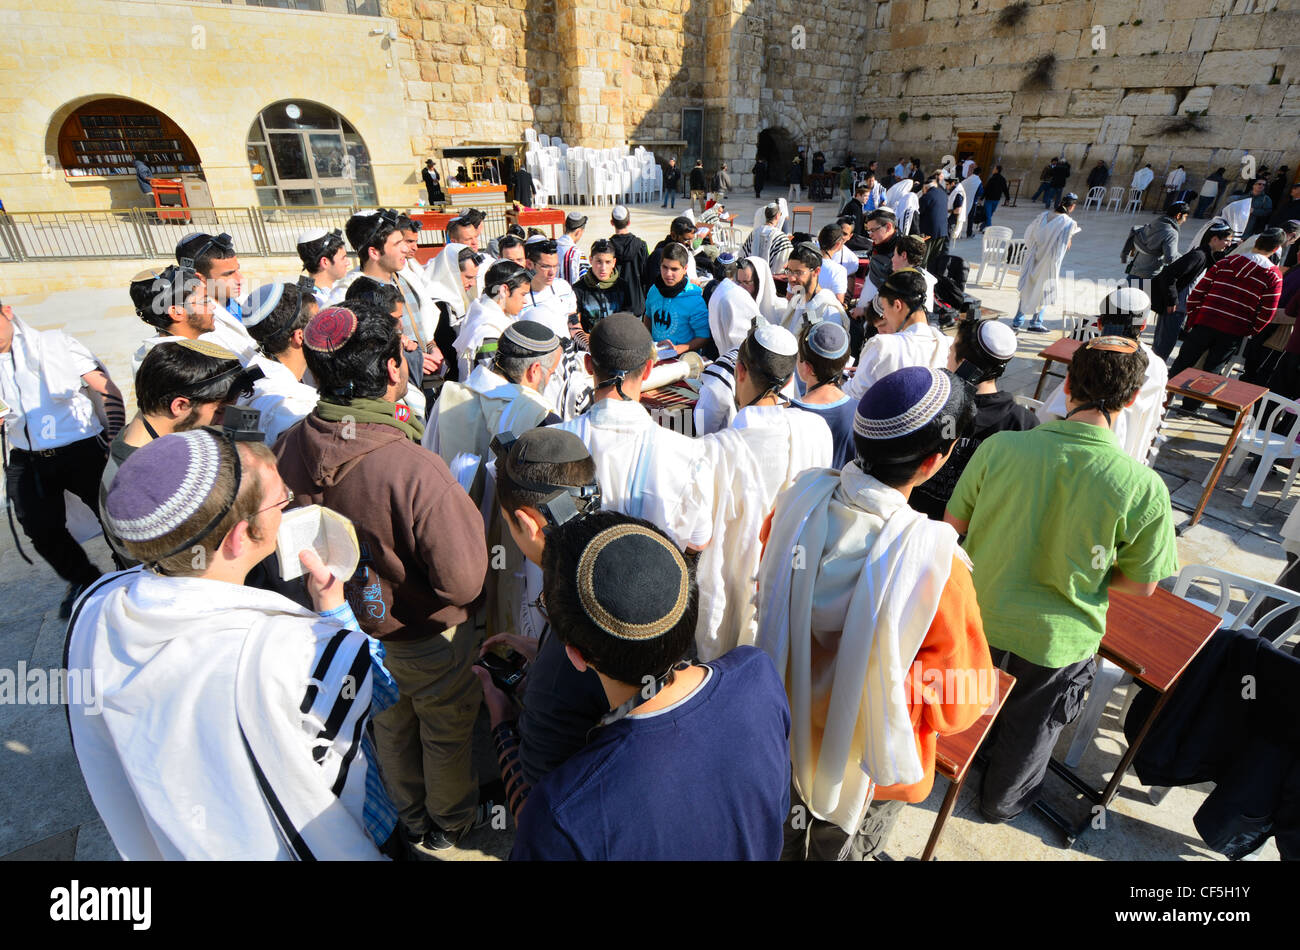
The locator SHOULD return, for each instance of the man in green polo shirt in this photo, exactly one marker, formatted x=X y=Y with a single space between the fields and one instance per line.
x=1055 y=519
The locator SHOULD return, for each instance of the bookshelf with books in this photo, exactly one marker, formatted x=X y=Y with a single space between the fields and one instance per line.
x=101 y=139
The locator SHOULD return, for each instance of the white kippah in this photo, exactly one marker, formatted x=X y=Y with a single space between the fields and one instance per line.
x=776 y=339
x=312 y=235
x=1127 y=299
x=535 y=238
x=998 y=339
x=260 y=303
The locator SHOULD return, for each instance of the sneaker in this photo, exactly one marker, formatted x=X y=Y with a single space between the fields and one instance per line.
x=1017 y=323
x=1037 y=328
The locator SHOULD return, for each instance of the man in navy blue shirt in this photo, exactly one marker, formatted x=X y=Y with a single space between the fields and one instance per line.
x=694 y=760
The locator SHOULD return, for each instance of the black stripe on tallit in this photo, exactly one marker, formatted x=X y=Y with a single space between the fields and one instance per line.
x=326 y=658
x=337 y=787
x=357 y=673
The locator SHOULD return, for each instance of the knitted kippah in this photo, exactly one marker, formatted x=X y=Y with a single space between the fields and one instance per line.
x=633 y=583
x=620 y=342
x=902 y=402
x=207 y=348
x=162 y=485
x=261 y=303
x=329 y=330
x=527 y=338
x=828 y=340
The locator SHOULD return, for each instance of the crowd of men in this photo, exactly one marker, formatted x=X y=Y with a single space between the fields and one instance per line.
x=722 y=646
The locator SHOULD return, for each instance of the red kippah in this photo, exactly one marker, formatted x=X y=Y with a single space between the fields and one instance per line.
x=330 y=329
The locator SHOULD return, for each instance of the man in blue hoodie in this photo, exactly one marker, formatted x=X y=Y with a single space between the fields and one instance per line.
x=675 y=310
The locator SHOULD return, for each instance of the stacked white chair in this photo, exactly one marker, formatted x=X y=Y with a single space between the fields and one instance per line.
x=994 y=246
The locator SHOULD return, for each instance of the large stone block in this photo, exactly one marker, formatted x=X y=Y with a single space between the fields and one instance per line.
x=1204 y=32
x=1239 y=32
x=1290 y=101
x=1115 y=129
x=1227 y=67
x=1260 y=100
x=1093 y=102
x=1148 y=103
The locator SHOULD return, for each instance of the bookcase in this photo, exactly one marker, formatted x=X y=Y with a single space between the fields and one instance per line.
x=101 y=139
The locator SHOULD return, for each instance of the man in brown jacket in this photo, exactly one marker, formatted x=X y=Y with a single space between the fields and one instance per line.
x=423 y=561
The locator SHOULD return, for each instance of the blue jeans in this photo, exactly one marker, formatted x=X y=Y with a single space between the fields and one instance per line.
x=1038 y=317
x=1167 y=327
x=1050 y=197
x=670 y=198
x=989 y=208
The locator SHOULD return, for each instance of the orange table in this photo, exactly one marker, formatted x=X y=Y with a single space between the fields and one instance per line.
x=540 y=219
x=954 y=754
x=1235 y=396
x=1153 y=638
x=1062 y=351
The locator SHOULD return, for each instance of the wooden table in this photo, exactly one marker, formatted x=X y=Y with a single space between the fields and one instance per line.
x=1062 y=351
x=1237 y=397
x=672 y=407
x=954 y=754
x=1152 y=638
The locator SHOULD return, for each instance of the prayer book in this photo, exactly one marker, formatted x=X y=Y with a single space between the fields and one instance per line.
x=326 y=532
x=1205 y=384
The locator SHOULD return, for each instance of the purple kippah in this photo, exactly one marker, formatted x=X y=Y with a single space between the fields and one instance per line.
x=162 y=485
x=900 y=403
x=329 y=330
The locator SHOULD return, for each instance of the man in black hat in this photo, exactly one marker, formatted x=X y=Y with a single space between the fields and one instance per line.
x=706 y=741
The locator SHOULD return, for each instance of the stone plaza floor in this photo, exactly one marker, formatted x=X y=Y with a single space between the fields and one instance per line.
x=46 y=813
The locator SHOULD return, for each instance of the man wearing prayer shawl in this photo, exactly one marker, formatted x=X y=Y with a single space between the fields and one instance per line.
x=868 y=610
x=768 y=240
x=1047 y=239
x=767 y=444
x=227 y=722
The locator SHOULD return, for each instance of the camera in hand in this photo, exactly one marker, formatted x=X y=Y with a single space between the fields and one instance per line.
x=507 y=671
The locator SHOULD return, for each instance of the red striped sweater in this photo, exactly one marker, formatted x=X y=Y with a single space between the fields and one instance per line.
x=1237 y=296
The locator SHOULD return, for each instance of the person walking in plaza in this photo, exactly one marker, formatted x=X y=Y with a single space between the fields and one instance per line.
x=53 y=390
x=1047 y=239
x=672 y=181
x=698 y=186
x=759 y=172
x=794 y=179
x=995 y=190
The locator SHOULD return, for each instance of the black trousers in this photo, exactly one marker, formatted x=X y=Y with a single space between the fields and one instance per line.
x=810 y=839
x=1215 y=345
x=36 y=484
x=937 y=247
x=1043 y=703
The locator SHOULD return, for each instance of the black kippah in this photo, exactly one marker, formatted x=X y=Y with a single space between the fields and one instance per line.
x=633 y=583
x=620 y=343
x=545 y=445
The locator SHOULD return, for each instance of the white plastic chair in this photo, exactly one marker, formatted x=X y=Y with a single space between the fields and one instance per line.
x=1015 y=257
x=1261 y=439
x=544 y=141
x=530 y=136
x=993 y=249
x=1110 y=677
x=1028 y=402
x=1095 y=197
x=1116 y=202
x=1081 y=328
x=1134 y=201
x=578 y=183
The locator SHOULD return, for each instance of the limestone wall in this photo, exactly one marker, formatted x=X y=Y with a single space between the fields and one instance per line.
x=210 y=67
x=1124 y=70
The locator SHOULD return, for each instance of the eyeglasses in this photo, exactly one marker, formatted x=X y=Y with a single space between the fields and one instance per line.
x=875 y=229
x=284 y=502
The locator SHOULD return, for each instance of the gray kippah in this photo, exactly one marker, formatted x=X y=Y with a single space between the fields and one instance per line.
x=620 y=342
x=162 y=485
x=527 y=338
x=547 y=445
x=633 y=583
x=828 y=340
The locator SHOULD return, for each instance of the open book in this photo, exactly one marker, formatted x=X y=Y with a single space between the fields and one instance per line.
x=327 y=532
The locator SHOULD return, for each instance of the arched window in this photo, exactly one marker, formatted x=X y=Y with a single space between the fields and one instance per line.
x=101 y=139
x=302 y=153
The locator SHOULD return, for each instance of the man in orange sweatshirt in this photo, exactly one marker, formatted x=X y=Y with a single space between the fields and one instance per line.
x=868 y=610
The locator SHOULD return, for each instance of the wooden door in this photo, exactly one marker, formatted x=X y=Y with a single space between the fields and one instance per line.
x=980 y=145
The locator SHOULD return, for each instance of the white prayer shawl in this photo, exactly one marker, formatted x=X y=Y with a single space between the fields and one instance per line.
x=149 y=343
x=770 y=305
x=445 y=285
x=762 y=451
x=732 y=313
x=1135 y=426
x=760 y=219
x=849 y=585
x=192 y=669
x=231 y=333
x=280 y=397
x=1142 y=177
x=822 y=307
x=647 y=471
x=847 y=258
x=959 y=226
x=49 y=353
x=340 y=288
x=485 y=321
x=716 y=405
x=1174 y=180
x=902 y=200
x=917 y=344
x=1046 y=239
x=422 y=319
x=1235 y=214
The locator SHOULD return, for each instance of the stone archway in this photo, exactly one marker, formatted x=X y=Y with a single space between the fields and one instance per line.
x=777 y=146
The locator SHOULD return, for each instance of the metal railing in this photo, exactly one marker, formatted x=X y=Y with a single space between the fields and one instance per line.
x=153 y=233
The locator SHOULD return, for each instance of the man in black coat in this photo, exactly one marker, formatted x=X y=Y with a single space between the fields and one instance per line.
x=932 y=220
